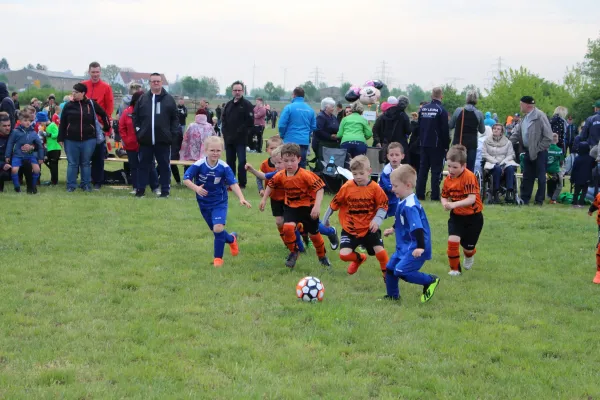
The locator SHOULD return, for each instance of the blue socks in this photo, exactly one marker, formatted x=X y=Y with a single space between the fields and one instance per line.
x=36 y=179
x=220 y=239
x=391 y=284
x=416 y=277
x=15 y=179
x=299 y=242
x=323 y=230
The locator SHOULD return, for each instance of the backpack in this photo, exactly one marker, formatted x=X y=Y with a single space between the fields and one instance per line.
x=565 y=198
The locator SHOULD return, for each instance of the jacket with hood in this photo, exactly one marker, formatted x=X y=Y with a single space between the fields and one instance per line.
x=182 y=113
x=499 y=152
x=127 y=131
x=433 y=126
x=327 y=125
x=102 y=93
x=21 y=136
x=467 y=128
x=78 y=121
x=539 y=133
x=52 y=137
x=393 y=125
x=591 y=130
x=354 y=128
x=584 y=163
x=7 y=105
x=237 y=121
x=155 y=119
x=489 y=121
x=559 y=126
x=297 y=122
x=192 y=147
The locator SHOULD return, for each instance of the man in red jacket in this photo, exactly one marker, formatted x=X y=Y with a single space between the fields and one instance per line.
x=100 y=91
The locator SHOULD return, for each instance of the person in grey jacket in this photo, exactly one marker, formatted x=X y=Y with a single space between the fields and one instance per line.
x=534 y=136
x=466 y=122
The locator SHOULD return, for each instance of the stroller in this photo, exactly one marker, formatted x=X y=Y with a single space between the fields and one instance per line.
x=330 y=168
x=486 y=186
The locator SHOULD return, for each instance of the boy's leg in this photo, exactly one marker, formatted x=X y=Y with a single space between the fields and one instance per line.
x=454 y=234
x=470 y=237
x=597 y=277
x=348 y=253
x=391 y=280
x=409 y=272
x=559 y=186
x=382 y=257
x=14 y=175
x=331 y=234
x=424 y=166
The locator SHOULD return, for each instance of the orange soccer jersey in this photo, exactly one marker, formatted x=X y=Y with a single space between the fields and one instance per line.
x=358 y=206
x=459 y=188
x=277 y=193
x=300 y=189
x=596 y=206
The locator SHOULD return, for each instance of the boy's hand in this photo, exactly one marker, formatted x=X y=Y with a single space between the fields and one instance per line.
x=590 y=213
x=200 y=191
x=261 y=193
x=314 y=213
x=373 y=227
x=248 y=167
x=245 y=203
x=388 y=232
x=449 y=206
x=262 y=204
x=40 y=162
x=7 y=160
x=418 y=252
x=7 y=166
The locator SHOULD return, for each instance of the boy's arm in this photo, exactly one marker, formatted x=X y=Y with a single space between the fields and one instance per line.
x=259 y=184
x=377 y=220
x=235 y=188
x=318 y=200
x=327 y=215
x=256 y=173
x=40 y=148
x=9 y=147
x=463 y=203
x=385 y=182
x=263 y=200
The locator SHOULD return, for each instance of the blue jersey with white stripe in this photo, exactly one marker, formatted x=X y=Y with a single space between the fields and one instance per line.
x=215 y=179
x=410 y=216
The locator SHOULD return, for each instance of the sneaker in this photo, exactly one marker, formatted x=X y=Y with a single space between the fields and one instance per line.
x=218 y=262
x=353 y=267
x=70 y=190
x=97 y=186
x=133 y=192
x=18 y=190
x=140 y=194
x=156 y=192
x=361 y=249
x=47 y=183
x=233 y=247
x=453 y=273
x=597 y=278
x=390 y=298
x=164 y=195
x=334 y=242
x=429 y=290
x=468 y=262
x=290 y=262
x=325 y=261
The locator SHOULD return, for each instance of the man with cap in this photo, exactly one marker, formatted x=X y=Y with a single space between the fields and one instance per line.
x=591 y=130
x=534 y=136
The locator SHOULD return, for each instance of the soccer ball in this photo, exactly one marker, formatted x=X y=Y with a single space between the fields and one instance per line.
x=310 y=289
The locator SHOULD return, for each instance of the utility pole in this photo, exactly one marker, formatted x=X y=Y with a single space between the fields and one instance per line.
x=284 y=77
x=341 y=78
x=383 y=73
x=316 y=75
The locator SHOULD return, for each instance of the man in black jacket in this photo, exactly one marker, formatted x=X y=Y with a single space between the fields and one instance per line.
x=7 y=105
x=182 y=113
x=238 y=121
x=156 y=122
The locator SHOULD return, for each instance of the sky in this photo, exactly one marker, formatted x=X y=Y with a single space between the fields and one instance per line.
x=428 y=42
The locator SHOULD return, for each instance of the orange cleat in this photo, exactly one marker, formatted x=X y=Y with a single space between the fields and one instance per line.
x=218 y=262
x=353 y=267
x=233 y=247
x=597 y=278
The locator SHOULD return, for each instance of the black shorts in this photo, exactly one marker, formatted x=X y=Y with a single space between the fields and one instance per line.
x=467 y=227
x=301 y=215
x=277 y=207
x=369 y=241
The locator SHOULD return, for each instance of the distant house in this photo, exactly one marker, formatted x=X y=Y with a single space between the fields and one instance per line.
x=26 y=78
x=143 y=78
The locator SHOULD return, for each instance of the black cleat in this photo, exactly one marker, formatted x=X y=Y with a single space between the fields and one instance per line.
x=334 y=242
x=325 y=261
x=290 y=262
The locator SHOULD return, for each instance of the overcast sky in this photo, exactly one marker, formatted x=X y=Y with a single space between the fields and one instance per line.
x=428 y=42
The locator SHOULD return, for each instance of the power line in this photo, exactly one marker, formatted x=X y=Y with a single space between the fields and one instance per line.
x=317 y=76
x=341 y=78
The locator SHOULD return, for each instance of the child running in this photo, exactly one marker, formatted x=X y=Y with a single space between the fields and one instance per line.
x=363 y=207
x=303 y=197
x=594 y=207
x=395 y=155
x=460 y=196
x=209 y=178
x=22 y=135
x=413 y=239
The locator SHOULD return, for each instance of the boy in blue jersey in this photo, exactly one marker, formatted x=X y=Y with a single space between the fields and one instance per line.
x=395 y=155
x=209 y=178
x=413 y=238
x=20 y=136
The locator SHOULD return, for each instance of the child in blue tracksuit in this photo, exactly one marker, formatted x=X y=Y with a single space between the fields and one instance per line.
x=413 y=239
x=22 y=135
x=209 y=178
x=395 y=155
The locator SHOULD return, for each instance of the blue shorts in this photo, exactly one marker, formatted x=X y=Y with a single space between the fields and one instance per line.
x=18 y=161
x=404 y=264
x=214 y=215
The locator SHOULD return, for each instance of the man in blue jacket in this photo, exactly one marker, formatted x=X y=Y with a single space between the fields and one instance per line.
x=434 y=134
x=591 y=130
x=297 y=122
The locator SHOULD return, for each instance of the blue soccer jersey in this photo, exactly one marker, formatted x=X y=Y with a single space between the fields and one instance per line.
x=215 y=179
x=410 y=216
x=386 y=184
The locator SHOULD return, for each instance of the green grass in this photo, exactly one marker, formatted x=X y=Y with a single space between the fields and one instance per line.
x=107 y=296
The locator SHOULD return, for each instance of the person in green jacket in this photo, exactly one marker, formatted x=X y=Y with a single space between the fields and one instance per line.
x=553 y=170
x=354 y=132
x=50 y=131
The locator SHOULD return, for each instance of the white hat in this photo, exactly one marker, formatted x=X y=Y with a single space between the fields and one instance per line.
x=392 y=100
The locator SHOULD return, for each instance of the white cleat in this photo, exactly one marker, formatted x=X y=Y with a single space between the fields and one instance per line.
x=453 y=273
x=468 y=262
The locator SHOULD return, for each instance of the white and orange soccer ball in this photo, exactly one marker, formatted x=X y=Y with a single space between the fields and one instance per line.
x=310 y=289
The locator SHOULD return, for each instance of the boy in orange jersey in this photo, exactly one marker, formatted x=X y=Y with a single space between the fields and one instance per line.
x=303 y=197
x=460 y=196
x=594 y=207
x=363 y=206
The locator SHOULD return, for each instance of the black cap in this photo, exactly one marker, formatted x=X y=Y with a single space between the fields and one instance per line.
x=527 y=100
x=80 y=87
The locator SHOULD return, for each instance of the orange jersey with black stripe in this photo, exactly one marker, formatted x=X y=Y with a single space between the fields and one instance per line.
x=300 y=189
x=596 y=206
x=459 y=188
x=277 y=193
x=358 y=206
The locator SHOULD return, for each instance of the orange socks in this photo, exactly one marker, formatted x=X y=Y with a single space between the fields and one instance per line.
x=350 y=257
x=289 y=236
x=454 y=255
x=469 y=253
x=598 y=258
x=318 y=243
x=383 y=259
x=281 y=234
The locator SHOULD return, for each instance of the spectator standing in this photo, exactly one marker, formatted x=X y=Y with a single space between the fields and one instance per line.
x=274 y=115
x=489 y=121
x=570 y=135
x=5 y=169
x=237 y=121
x=15 y=98
x=260 y=113
x=591 y=128
x=393 y=126
x=327 y=127
x=7 y=105
x=297 y=123
x=435 y=141
x=535 y=136
x=157 y=126
x=414 y=149
x=101 y=92
x=339 y=112
x=559 y=125
x=467 y=121
x=581 y=174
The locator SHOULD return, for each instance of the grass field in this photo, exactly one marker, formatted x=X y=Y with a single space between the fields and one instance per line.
x=105 y=296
